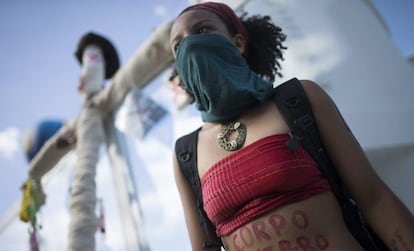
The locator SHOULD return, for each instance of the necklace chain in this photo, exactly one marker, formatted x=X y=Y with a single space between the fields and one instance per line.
x=226 y=131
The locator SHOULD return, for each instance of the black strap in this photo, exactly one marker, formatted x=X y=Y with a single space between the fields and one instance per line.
x=186 y=152
x=296 y=109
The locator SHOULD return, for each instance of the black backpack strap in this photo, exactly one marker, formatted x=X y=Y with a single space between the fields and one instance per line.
x=186 y=152
x=294 y=105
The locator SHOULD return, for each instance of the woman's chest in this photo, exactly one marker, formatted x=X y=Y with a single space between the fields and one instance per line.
x=265 y=122
x=262 y=176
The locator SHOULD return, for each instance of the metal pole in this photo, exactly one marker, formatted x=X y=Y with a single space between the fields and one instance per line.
x=127 y=193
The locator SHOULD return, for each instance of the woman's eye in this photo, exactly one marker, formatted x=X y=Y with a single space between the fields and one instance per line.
x=203 y=30
x=176 y=47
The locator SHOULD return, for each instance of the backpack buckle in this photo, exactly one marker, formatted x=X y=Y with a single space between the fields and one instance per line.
x=293 y=142
x=184 y=156
x=299 y=127
x=303 y=122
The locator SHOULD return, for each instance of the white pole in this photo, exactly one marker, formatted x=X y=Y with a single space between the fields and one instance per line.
x=150 y=59
x=127 y=194
x=83 y=221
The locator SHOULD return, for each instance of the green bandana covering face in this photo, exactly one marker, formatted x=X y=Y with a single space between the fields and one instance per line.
x=214 y=71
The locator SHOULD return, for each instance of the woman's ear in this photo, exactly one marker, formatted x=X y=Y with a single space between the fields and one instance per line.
x=240 y=42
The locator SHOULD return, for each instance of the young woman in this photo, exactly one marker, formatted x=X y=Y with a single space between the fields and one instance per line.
x=259 y=194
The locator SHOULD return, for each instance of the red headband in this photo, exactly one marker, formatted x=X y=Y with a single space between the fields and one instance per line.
x=225 y=13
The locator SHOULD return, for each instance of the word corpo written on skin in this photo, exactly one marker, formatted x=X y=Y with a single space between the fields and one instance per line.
x=248 y=236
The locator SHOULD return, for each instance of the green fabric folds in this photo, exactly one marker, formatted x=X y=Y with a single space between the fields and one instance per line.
x=212 y=69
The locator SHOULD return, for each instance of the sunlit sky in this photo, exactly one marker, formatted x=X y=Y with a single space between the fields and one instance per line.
x=40 y=73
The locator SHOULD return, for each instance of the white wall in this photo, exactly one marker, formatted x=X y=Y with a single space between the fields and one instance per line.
x=343 y=46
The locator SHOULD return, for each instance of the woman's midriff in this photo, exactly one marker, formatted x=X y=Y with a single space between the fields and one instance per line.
x=312 y=224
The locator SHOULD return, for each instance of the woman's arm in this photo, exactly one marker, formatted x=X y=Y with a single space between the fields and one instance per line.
x=385 y=213
x=195 y=230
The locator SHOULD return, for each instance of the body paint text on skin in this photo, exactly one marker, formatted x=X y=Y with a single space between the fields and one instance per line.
x=256 y=232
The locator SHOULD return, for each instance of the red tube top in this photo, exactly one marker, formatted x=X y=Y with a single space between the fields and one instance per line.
x=257 y=179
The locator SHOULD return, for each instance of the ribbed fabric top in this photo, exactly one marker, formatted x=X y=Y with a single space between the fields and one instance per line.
x=256 y=179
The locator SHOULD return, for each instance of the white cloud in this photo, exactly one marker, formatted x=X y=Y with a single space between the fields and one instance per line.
x=9 y=142
x=160 y=11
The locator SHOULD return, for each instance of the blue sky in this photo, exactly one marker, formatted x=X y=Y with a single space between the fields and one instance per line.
x=398 y=17
x=40 y=73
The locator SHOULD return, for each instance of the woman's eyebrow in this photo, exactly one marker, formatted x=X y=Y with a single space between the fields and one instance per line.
x=193 y=26
x=200 y=22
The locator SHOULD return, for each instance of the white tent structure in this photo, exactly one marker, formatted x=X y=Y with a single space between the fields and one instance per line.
x=346 y=47
x=342 y=45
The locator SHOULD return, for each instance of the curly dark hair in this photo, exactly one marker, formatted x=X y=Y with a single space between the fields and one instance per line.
x=265 y=46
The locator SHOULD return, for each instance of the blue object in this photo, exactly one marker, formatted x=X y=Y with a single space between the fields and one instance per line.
x=43 y=131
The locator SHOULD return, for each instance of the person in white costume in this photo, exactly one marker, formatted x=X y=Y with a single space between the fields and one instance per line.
x=99 y=61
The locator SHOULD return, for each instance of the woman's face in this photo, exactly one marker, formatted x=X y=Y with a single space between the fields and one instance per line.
x=200 y=21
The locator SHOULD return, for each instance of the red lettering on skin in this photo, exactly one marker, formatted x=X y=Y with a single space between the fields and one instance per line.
x=321 y=242
x=259 y=230
x=299 y=219
x=284 y=245
x=278 y=222
x=270 y=248
x=235 y=245
x=304 y=243
x=249 y=241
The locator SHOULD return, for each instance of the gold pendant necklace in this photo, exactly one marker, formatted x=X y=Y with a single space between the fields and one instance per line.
x=224 y=135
